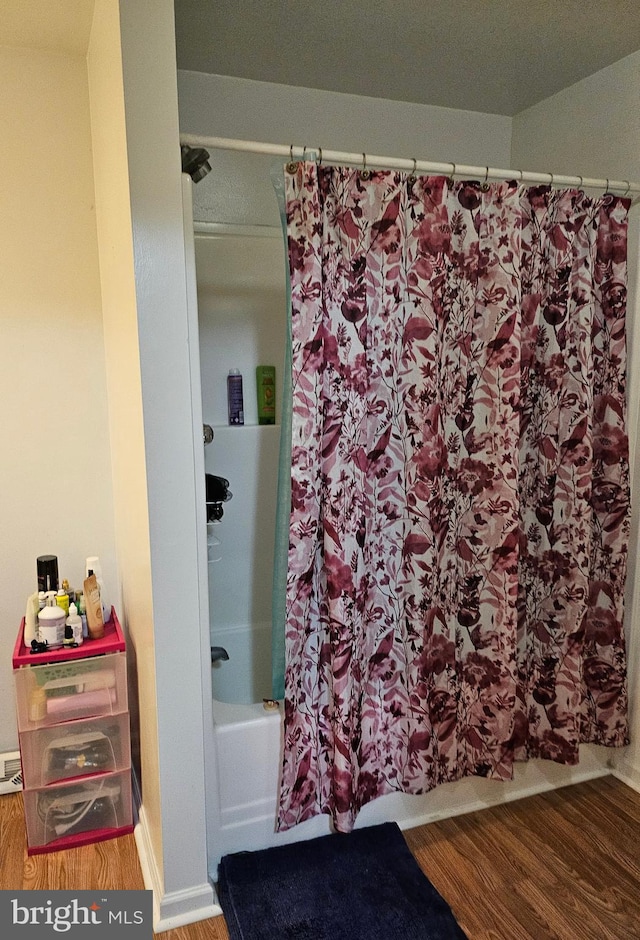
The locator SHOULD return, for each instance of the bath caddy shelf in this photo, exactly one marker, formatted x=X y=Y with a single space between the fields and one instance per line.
x=75 y=749
x=249 y=426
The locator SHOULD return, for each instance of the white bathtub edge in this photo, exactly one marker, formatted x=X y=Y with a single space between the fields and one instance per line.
x=249 y=751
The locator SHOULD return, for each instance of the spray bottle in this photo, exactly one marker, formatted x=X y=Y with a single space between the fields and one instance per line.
x=235 y=398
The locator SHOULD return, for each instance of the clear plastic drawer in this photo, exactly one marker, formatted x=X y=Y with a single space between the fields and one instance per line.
x=65 y=691
x=75 y=749
x=98 y=805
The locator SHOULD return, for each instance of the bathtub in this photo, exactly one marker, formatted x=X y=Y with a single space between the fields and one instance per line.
x=248 y=749
x=248 y=745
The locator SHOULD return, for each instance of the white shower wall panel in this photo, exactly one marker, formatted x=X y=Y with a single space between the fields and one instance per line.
x=242 y=315
x=241 y=566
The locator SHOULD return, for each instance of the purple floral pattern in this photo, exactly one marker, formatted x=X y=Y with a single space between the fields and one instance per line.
x=460 y=493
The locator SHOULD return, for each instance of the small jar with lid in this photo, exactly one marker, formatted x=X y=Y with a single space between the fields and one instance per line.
x=51 y=621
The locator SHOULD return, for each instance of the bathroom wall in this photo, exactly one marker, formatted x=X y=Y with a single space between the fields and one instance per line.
x=238 y=191
x=119 y=312
x=55 y=466
x=593 y=129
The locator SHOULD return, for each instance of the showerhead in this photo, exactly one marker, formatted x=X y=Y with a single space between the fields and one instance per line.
x=195 y=162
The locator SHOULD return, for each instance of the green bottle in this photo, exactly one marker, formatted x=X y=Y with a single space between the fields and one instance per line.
x=266 y=389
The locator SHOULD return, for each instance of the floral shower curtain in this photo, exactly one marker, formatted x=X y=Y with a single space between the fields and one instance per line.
x=459 y=488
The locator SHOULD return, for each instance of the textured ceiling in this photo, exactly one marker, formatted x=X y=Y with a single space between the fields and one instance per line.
x=495 y=56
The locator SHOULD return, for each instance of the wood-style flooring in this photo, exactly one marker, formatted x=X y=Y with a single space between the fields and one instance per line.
x=564 y=865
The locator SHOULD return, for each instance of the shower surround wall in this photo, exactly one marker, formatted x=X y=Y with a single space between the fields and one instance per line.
x=238 y=313
x=241 y=312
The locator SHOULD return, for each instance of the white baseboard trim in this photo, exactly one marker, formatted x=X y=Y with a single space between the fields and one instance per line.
x=518 y=793
x=185 y=907
x=172 y=909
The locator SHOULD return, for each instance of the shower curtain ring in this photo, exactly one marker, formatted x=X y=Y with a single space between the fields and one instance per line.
x=607 y=189
x=627 y=189
x=365 y=173
x=292 y=166
x=485 y=185
x=453 y=173
x=552 y=179
x=320 y=157
x=412 y=175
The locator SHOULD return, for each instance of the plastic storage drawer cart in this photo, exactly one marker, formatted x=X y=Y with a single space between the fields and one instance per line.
x=73 y=727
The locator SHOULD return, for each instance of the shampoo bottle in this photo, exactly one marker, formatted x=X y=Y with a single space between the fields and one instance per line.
x=266 y=389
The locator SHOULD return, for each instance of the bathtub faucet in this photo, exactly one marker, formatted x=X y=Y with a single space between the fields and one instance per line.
x=218 y=653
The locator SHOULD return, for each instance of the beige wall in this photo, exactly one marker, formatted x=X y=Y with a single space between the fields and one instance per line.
x=125 y=396
x=55 y=466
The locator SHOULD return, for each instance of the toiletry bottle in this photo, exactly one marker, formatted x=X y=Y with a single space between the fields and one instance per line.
x=266 y=390
x=62 y=600
x=68 y=590
x=92 y=566
x=95 y=620
x=51 y=626
x=38 y=704
x=31 y=619
x=235 y=398
x=82 y=612
x=47 y=566
x=74 y=620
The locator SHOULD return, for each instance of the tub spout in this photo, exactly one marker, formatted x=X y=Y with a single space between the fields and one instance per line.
x=218 y=653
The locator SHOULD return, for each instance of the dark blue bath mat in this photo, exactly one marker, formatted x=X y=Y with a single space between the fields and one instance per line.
x=363 y=886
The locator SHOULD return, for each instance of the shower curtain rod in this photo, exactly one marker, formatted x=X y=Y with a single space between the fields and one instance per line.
x=367 y=161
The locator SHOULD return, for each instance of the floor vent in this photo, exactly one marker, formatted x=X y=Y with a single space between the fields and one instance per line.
x=10 y=772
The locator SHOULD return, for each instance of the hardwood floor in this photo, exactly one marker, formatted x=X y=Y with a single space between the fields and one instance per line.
x=564 y=865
